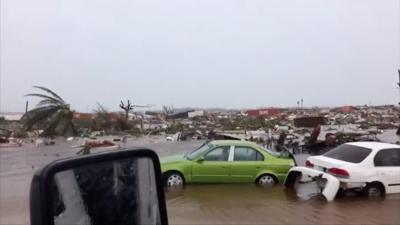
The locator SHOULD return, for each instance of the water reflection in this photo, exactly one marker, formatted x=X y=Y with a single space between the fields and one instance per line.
x=252 y=204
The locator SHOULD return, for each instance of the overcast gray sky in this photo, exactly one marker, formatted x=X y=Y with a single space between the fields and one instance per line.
x=201 y=53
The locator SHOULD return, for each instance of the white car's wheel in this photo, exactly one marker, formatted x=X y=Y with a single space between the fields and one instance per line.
x=173 y=180
x=374 y=190
x=266 y=179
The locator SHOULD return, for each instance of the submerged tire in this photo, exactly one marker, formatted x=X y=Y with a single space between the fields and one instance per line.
x=267 y=179
x=374 y=189
x=173 y=179
x=341 y=193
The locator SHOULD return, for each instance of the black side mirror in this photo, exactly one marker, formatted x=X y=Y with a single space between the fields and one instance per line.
x=118 y=187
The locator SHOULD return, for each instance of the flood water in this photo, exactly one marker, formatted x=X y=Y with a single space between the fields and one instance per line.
x=200 y=204
x=252 y=204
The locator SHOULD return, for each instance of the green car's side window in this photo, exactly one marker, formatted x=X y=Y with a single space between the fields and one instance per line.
x=247 y=154
x=218 y=154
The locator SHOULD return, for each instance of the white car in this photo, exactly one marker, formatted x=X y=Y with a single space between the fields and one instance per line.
x=370 y=167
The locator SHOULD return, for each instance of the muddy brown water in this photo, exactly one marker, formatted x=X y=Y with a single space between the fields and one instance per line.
x=200 y=204
x=251 y=204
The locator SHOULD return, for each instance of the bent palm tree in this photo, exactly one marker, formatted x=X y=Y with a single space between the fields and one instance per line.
x=52 y=114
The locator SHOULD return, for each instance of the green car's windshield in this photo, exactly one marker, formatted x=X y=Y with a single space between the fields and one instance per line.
x=196 y=153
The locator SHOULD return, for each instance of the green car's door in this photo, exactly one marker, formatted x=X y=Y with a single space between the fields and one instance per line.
x=214 y=168
x=246 y=164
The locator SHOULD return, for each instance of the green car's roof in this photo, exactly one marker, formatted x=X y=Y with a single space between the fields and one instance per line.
x=234 y=142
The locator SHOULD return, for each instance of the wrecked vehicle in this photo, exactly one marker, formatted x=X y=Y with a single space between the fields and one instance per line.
x=372 y=168
x=226 y=161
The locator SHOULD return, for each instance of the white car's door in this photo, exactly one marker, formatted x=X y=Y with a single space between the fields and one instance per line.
x=387 y=164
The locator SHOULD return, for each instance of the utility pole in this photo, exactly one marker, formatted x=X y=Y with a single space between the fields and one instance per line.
x=398 y=84
x=26 y=106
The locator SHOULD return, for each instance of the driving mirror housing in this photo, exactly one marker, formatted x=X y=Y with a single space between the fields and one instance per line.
x=118 y=187
x=200 y=160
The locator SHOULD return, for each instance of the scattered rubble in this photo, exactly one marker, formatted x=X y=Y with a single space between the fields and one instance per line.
x=314 y=130
x=300 y=129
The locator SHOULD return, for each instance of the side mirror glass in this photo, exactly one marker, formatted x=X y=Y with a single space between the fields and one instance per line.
x=120 y=187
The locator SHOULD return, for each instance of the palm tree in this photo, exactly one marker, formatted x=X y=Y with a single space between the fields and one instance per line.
x=52 y=114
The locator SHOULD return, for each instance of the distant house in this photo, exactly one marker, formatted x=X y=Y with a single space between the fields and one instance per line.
x=267 y=112
x=11 y=116
x=151 y=123
x=83 y=116
x=196 y=113
x=348 y=109
x=10 y=121
x=114 y=116
x=186 y=114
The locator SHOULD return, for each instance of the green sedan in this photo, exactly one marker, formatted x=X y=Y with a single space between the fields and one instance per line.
x=226 y=162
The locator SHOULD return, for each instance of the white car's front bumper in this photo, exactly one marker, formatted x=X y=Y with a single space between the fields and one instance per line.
x=303 y=174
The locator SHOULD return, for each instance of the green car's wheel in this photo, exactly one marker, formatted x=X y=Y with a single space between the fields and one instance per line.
x=173 y=179
x=266 y=179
